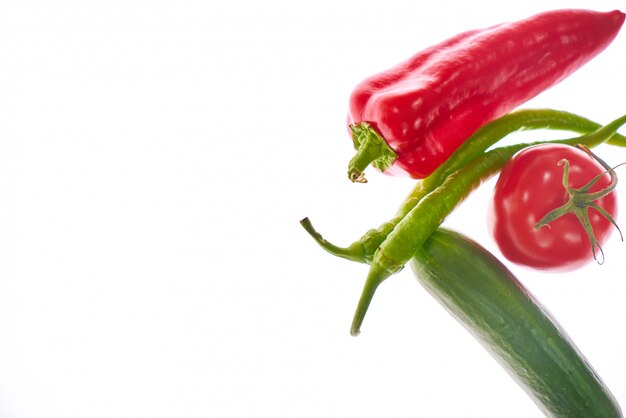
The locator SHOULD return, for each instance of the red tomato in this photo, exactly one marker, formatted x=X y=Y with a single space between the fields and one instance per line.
x=531 y=185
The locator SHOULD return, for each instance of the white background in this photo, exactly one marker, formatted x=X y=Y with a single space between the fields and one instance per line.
x=155 y=159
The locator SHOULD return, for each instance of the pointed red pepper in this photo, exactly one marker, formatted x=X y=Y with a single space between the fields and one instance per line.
x=409 y=119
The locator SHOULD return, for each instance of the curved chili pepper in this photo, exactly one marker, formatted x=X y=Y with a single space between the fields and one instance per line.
x=410 y=119
x=421 y=221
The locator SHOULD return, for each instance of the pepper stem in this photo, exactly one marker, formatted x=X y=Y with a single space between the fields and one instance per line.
x=581 y=199
x=371 y=149
x=353 y=252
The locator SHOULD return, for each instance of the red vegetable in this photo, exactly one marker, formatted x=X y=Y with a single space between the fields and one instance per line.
x=410 y=118
x=532 y=185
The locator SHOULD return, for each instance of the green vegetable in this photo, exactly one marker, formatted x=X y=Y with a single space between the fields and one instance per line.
x=481 y=293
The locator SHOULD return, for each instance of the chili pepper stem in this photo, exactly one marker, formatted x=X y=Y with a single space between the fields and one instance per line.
x=371 y=149
x=353 y=252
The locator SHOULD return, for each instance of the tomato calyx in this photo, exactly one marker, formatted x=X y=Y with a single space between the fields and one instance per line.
x=581 y=199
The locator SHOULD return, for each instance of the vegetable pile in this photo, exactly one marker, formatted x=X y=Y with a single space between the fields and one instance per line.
x=438 y=117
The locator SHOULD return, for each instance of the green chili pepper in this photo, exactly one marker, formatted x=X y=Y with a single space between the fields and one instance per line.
x=484 y=296
x=423 y=219
x=363 y=249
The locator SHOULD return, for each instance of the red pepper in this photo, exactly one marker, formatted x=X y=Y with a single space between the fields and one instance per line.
x=409 y=119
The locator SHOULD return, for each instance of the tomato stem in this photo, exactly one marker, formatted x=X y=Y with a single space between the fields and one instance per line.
x=581 y=199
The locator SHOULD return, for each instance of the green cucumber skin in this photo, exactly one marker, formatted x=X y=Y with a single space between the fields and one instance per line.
x=482 y=294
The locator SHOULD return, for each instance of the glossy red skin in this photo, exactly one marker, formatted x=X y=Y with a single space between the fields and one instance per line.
x=427 y=106
x=529 y=186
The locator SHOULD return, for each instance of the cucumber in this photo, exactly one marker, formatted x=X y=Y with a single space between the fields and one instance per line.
x=482 y=294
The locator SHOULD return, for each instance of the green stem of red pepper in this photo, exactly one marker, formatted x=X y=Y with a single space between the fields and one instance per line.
x=363 y=249
x=421 y=221
x=371 y=149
